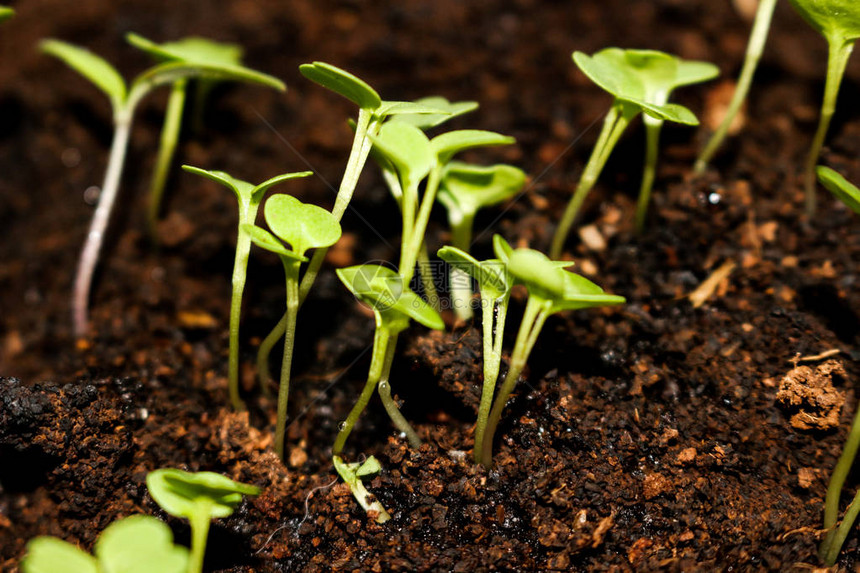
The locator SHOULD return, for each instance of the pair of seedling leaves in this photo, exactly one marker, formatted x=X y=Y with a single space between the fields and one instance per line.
x=144 y=544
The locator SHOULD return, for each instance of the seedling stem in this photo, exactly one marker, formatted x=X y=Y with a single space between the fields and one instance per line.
x=166 y=149
x=829 y=550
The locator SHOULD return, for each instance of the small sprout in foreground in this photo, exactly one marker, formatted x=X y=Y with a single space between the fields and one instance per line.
x=302 y=227
x=192 y=50
x=6 y=13
x=494 y=284
x=393 y=304
x=465 y=189
x=755 y=47
x=249 y=197
x=136 y=544
x=124 y=100
x=839 y=22
x=629 y=75
x=372 y=113
x=835 y=537
x=198 y=497
x=352 y=474
x=551 y=289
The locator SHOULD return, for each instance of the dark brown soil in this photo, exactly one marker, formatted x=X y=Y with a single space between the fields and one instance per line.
x=645 y=437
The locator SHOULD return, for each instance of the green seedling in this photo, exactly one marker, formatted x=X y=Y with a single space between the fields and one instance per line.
x=303 y=227
x=835 y=537
x=629 y=76
x=393 y=304
x=494 y=285
x=839 y=22
x=372 y=113
x=464 y=189
x=352 y=474
x=551 y=289
x=124 y=100
x=249 y=198
x=198 y=497
x=6 y=13
x=755 y=47
x=192 y=50
x=136 y=544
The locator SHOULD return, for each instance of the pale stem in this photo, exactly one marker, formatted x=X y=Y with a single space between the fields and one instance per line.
x=199 y=520
x=460 y=284
x=167 y=148
x=614 y=125
x=425 y=271
x=837 y=62
x=377 y=362
x=361 y=146
x=412 y=243
x=652 y=145
x=98 y=226
x=291 y=270
x=758 y=37
x=834 y=488
x=383 y=387
x=533 y=319
x=492 y=335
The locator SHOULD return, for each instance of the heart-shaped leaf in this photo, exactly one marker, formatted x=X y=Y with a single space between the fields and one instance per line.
x=302 y=225
x=91 y=66
x=181 y=493
x=140 y=544
x=491 y=275
x=193 y=49
x=405 y=109
x=472 y=187
x=449 y=111
x=170 y=72
x=408 y=150
x=265 y=240
x=840 y=187
x=451 y=143
x=580 y=293
x=244 y=191
x=502 y=248
x=52 y=555
x=836 y=20
x=343 y=83
x=538 y=273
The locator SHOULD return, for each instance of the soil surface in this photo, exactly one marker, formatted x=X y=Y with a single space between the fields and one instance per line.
x=654 y=436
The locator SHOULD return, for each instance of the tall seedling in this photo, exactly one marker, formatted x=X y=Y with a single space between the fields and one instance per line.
x=249 y=198
x=192 y=50
x=124 y=101
x=630 y=76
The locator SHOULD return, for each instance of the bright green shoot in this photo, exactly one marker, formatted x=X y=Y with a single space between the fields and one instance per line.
x=249 y=198
x=755 y=47
x=352 y=474
x=393 y=304
x=465 y=189
x=6 y=13
x=124 y=100
x=303 y=227
x=839 y=22
x=832 y=543
x=840 y=188
x=630 y=76
x=551 y=289
x=372 y=113
x=192 y=50
x=198 y=497
x=494 y=284
x=136 y=544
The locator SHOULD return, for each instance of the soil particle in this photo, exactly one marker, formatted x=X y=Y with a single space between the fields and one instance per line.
x=808 y=394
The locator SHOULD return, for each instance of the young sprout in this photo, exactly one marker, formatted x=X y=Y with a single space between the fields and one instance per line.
x=6 y=13
x=372 y=112
x=839 y=22
x=551 y=289
x=393 y=304
x=302 y=227
x=755 y=47
x=192 y=50
x=249 y=197
x=198 y=497
x=494 y=284
x=629 y=75
x=352 y=474
x=832 y=544
x=136 y=544
x=464 y=189
x=124 y=101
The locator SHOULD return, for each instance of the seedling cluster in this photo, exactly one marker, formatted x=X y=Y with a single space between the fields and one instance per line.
x=420 y=170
